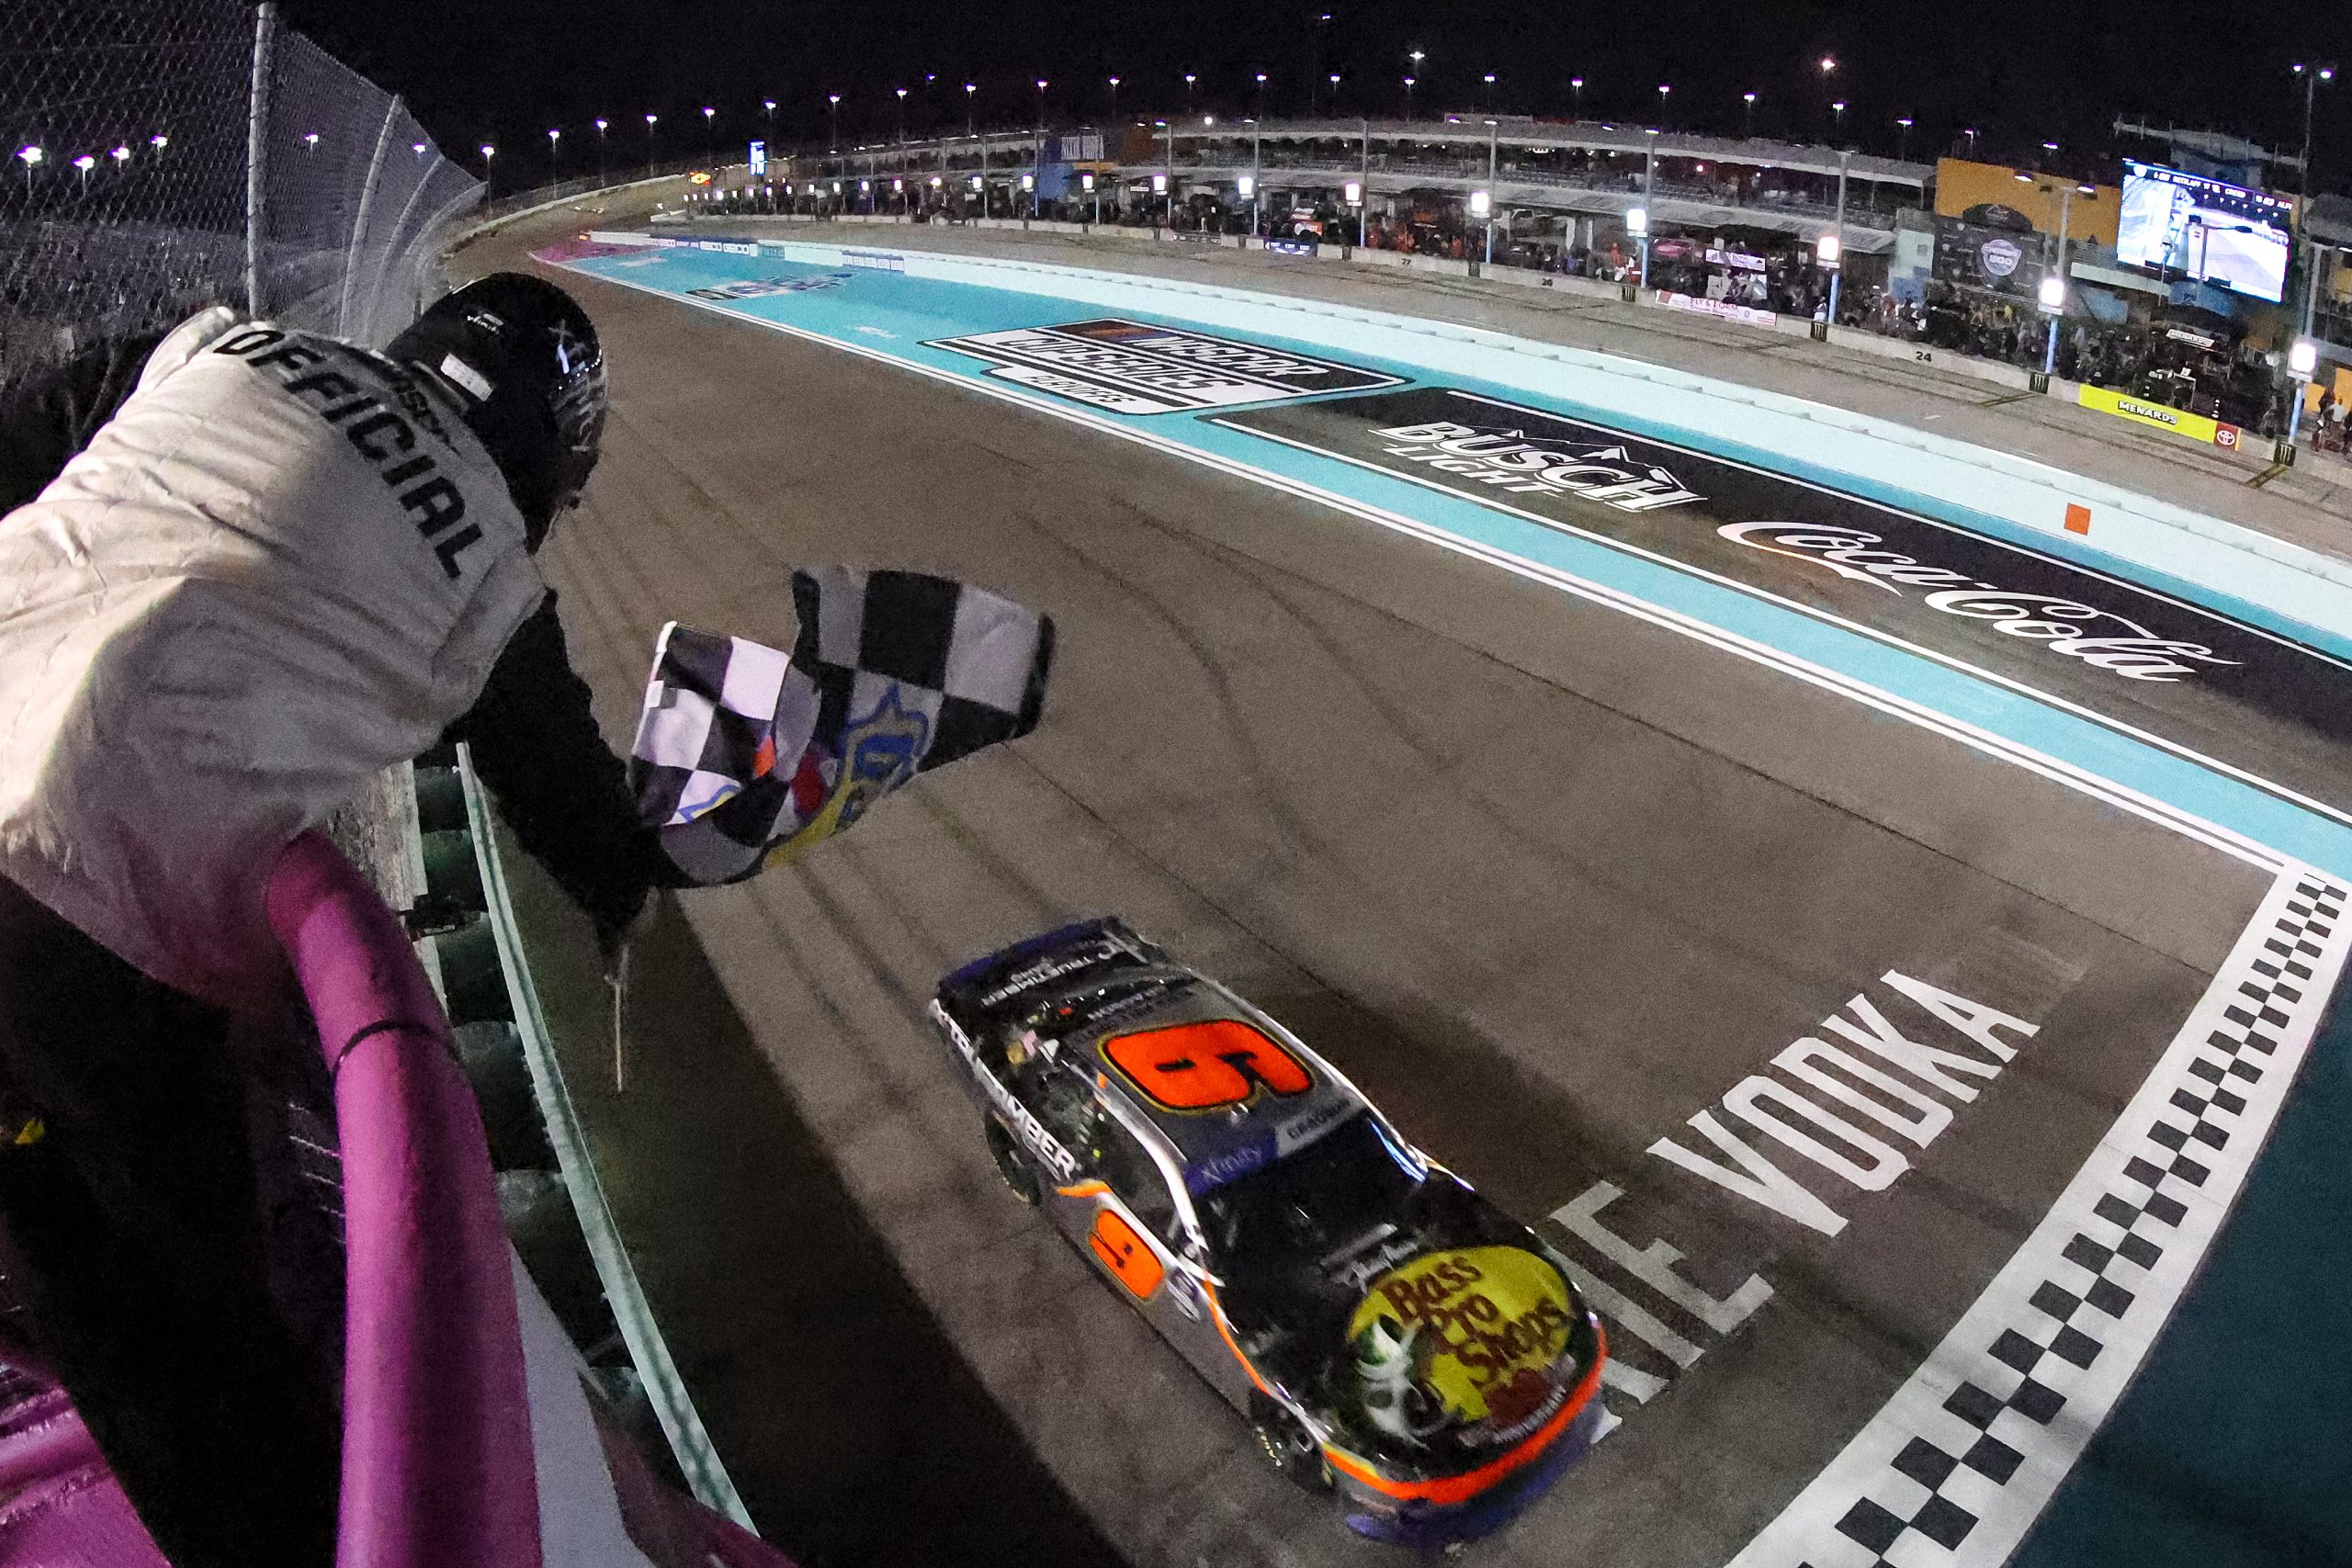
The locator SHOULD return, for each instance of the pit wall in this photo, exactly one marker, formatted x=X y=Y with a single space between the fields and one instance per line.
x=2296 y=591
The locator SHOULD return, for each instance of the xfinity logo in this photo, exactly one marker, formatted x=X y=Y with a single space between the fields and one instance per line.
x=1518 y=464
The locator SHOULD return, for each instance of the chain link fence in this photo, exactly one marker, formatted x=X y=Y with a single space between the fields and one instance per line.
x=168 y=154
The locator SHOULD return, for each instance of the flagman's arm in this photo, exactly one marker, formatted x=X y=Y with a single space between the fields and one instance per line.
x=559 y=787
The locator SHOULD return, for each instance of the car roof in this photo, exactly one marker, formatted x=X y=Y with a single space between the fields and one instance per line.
x=1226 y=1088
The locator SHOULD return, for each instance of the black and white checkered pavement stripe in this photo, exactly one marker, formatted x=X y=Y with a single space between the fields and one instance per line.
x=1956 y=1467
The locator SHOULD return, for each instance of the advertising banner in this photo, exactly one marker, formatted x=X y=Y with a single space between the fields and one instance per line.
x=2151 y=660
x=2180 y=422
x=1747 y=315
x=1978 y=256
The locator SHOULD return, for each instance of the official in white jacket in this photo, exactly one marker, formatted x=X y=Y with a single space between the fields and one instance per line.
x=283 y=564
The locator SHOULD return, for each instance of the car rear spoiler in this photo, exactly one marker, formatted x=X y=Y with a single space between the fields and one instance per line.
x=1052 y=960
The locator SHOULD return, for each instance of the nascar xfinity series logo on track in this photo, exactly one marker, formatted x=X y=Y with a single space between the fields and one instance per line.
x=1134 y=367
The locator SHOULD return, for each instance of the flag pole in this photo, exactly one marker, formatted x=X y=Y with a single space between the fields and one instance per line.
x=618 y=981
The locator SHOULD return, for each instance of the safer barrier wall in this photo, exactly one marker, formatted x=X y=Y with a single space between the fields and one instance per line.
x=2219 y=562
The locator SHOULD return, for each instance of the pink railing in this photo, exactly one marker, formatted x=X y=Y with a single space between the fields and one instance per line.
x=438 y=1467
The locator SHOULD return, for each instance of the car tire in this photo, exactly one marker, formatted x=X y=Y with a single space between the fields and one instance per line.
x=1010 y=1164
x=1288 y=1445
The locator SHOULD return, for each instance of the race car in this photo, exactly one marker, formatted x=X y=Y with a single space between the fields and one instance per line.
x=1393 y=1338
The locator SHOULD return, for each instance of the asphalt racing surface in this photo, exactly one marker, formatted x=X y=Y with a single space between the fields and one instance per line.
x=1553 y=884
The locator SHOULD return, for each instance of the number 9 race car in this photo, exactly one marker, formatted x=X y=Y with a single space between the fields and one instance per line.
x=1393 y=1338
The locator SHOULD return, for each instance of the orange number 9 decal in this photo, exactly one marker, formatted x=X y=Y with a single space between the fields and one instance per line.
x=1200 y=1066
x=1128 y=1257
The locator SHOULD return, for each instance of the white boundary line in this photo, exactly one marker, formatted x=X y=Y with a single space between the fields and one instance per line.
x=1970 y=1448
x=2107 y=791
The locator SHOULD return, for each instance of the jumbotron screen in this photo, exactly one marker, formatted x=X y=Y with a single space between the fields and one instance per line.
x=2207 y=228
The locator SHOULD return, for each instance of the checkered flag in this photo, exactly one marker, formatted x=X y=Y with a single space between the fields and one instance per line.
x=744 y=756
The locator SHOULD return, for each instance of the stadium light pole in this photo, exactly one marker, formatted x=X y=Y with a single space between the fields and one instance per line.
x=1663 y=89
x=969 y=88
x=599 y=147
x=1838 y=250
x=2052 y=295
x=650 y=156
x=1416 y=56
x=2303 y=363
x=489 y=172
x=1334 y=80
x=768 y=107
x=417 y=148
x=1114 y=101
x=1037 y=185
x=1828 y=69
x=833 y=121
x=31 y=157
x=1189 y=80
x=1838 y=119
x=1257 y=178
x=555 y=139
x=1970 y=131
x=902 y=115
x=1902 y=137
x=1576 y=88
x=1649 y=199
x=159 y=142
x=2313 y=76
x=1262 y=95
x=85 y=163
x=1170 y=129
x=1409 y=100
x=311 y=140
x=1748 y=124
x=1490 y=92
x=709 y=134
x=1363 y=191
x=2052 y=291
x=1488 y=196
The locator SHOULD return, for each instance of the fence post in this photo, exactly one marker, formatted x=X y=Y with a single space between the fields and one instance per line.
x=359 y=219
x=257 y=149
x=427 y=263
x=400 y=227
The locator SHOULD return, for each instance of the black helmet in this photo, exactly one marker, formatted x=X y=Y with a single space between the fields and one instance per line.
x=524 y=356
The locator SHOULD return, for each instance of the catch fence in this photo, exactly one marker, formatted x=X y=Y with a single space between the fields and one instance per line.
x=168 y=154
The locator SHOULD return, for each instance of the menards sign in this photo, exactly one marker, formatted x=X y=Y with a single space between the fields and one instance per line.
x=2180 y=421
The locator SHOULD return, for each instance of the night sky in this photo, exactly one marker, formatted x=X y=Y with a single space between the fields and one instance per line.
x=2022 y=74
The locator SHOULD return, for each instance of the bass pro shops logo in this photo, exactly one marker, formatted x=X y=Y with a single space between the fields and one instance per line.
x=1518 y=464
